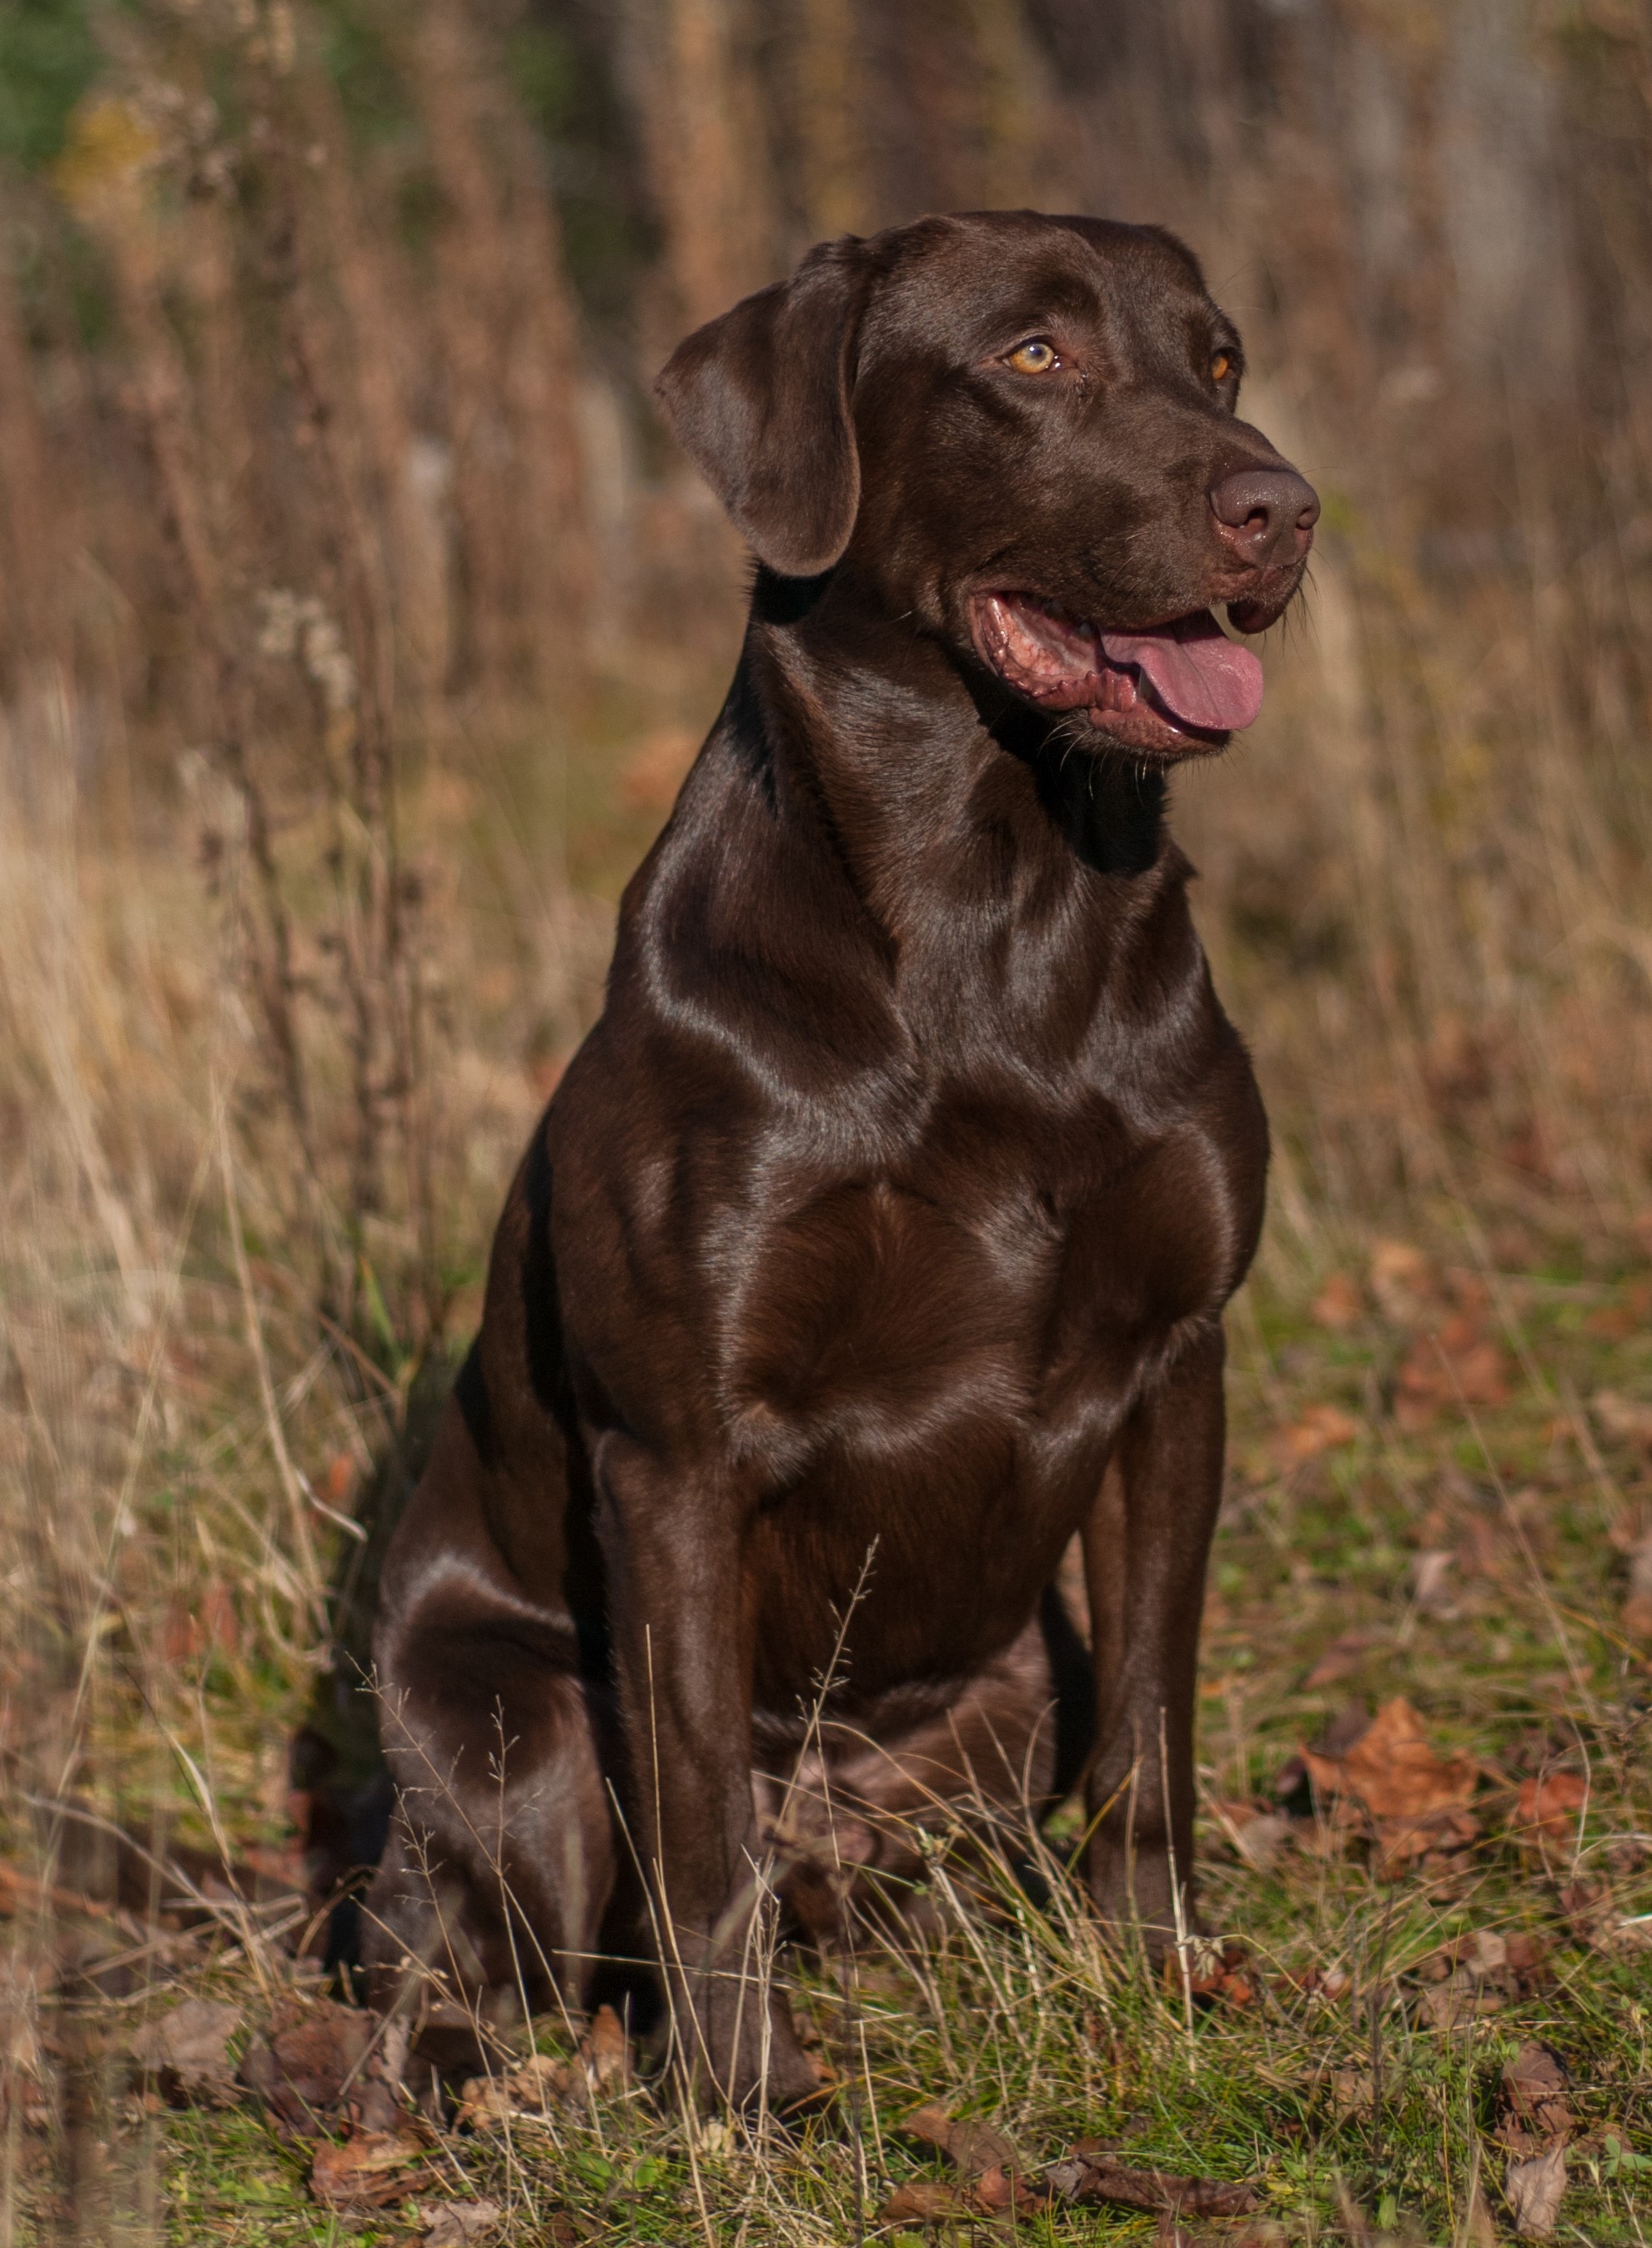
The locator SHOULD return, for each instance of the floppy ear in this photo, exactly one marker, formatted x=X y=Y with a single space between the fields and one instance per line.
x=759 y=399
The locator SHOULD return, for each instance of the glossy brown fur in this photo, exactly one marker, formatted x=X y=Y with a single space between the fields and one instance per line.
x=878 y=1235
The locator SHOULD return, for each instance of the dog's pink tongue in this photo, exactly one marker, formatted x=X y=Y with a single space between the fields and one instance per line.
x=1200 y=674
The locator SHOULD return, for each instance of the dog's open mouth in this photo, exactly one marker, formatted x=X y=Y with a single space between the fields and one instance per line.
x=1182 y=687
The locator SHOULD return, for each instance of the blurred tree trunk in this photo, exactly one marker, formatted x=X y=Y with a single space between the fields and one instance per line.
x=511 y=353
x=374 y=283
x=36 y=516
x=837 y=192
x=703 y=120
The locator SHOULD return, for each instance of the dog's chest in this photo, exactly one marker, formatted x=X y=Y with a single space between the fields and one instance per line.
x=997 y=1297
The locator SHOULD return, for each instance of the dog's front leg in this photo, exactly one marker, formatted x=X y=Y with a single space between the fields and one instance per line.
x=671 y=1544
x=1146 y=1550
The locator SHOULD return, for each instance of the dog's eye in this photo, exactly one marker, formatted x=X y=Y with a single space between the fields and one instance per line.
x=1036 y=356
x=1221 y=367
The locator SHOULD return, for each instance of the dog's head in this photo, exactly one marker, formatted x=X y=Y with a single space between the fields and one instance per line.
x=1021 y=432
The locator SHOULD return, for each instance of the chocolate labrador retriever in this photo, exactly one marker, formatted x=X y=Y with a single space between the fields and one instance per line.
x=877 y=1237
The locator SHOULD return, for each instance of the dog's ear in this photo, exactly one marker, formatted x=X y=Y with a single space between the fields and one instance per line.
x=759 y=399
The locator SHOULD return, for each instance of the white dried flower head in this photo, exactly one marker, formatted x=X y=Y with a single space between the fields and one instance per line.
x=278 y=623
x=327 y=660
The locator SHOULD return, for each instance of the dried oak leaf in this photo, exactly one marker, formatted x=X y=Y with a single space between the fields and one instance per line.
x=188 y=2053
x=302 y=2071
x=1533 y=2189
x=1393 y=1771
x=1549 y=1806
x=368 y=2170
x=970 y=2145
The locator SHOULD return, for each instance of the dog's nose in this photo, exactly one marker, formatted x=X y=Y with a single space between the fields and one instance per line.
x=1267 y=515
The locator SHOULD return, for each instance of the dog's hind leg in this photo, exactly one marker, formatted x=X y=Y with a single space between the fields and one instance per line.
x=502 y=1863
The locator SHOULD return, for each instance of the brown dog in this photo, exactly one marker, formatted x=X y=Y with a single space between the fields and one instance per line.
x=877 y=1237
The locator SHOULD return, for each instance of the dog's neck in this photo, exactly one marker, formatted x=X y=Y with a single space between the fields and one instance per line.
x=928 y=776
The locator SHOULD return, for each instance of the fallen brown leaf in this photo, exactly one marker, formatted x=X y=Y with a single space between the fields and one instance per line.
x=1320 y=1429
x=1402 y=1281
x=1400 y=1841
x=1344 y=1730
x=1353 y=2091
x=924 y=2203
x=1592 y=1914
x=524 y=2092
x=1448 y=2005
x=1623 y=1418
x=1550 y=1805
x=999 y=2189
x=1089 y=2175
x=192 y=1628
x=1513 y=1965
x=1339 y=1305
x=1478 y=2229
x=188 y=2053
x=1534 y=2088
x=1528 y=1961
x=1393 y=1771
x=1327 y=1984
x=972 y=2146
x=452 y=2223
x=369 y=2170
x=540 y=2079
x=1534 y=2190
x=1262 y=1839
x=1214 y=1972
x=1452 y=1366
x=302 y=2070
x=1429 y=1589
